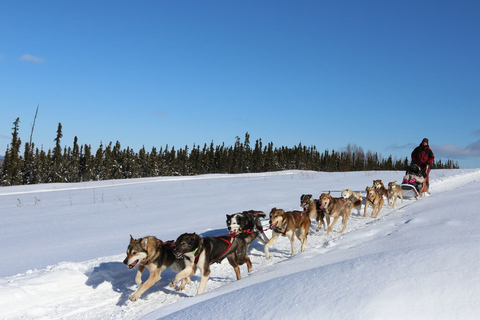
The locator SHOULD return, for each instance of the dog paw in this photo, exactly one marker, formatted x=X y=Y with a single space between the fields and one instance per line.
x=133 y=298
x=181 y=287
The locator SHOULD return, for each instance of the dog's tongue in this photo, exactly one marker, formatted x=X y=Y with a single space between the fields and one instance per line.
x=322 y=206
x=133 y=264
x=273 y=225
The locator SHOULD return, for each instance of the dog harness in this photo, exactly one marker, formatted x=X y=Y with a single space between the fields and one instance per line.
x=229 y=243
x=283 y=232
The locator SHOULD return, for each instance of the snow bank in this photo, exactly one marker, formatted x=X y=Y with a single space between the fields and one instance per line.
x=418 y=261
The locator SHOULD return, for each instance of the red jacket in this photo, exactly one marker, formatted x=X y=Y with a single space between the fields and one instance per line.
x=423 y=155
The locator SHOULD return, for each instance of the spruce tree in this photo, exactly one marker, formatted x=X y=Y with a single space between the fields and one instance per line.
x=257 y=156
x=74 y=165
x=28 y=165
x=97 y=168
x=154 y=162
x=12 y=163
x=57 y=158
x=86 y=163
x=117 y=156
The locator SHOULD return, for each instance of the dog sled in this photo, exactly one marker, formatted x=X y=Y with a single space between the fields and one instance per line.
x=415 y=182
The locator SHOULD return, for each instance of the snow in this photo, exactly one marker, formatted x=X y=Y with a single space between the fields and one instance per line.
x=63 y=247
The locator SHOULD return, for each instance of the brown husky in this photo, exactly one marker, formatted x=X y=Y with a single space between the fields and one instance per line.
x=288 y=224
x=354 y=197
x=155 y=255
x=335 y=208
x=312 y=208
x=394 y=190
x=380 y=188
x=374 y=199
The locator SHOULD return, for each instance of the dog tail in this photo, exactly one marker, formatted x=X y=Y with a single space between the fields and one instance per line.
x=256 y=213
x=357 y=203
x=258 y=223
x=261 y=214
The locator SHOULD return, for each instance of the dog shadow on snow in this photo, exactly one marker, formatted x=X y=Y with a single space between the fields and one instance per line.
x=122 y=279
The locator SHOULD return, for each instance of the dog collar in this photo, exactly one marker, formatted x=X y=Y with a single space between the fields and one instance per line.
x=197 y=256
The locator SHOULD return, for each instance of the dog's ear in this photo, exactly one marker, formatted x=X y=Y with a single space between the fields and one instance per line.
x=149 y=245
x=144 y=243
x=131 y=239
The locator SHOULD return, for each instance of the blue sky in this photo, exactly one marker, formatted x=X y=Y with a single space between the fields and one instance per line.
x=381 y=75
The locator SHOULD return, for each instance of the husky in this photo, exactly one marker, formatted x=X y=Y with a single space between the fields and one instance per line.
x=335 y=208
x=394 y=190
x=374 y=199
x=288 y=224
x=311 y=207
x=155 y=255
x=354 y=197
x=199 y=252
x=247 y=221
x=380 y=188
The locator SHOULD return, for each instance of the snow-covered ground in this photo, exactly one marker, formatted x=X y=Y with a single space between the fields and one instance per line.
x=63 y=245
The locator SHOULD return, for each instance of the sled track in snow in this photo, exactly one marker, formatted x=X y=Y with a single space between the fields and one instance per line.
x=449 y=183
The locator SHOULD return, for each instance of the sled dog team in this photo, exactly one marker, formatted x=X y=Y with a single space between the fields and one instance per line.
x=191 y=251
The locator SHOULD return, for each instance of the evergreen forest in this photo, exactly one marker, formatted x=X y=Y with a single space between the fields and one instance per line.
x=79 y=163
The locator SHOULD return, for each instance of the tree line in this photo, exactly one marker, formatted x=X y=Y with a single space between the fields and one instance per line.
x=79 y=163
